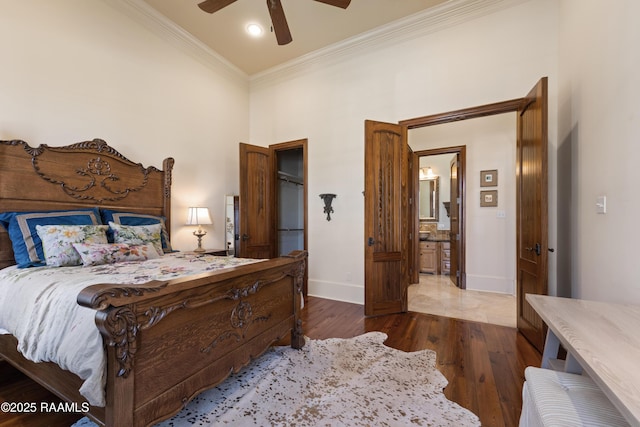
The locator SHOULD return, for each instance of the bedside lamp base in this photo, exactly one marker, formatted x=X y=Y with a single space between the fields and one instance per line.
x=199 y=233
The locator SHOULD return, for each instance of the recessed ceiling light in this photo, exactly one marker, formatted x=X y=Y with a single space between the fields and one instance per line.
x=254 y=30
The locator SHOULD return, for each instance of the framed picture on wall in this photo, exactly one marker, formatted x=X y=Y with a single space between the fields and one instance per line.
x=489 y=178
x=489 y=198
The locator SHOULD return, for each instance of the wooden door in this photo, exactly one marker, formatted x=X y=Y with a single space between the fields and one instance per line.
x=386 y=218
x=531 y=213
x=454 y=220
x=414 y=215
x=256 y=202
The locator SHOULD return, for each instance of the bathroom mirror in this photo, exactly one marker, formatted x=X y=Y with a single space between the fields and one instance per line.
x=429 y=199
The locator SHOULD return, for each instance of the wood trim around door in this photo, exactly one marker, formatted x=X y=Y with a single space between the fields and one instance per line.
x=290 y=145
x=284 y=146
x=514 y=105
x=461 y=150
x=464 y=114
x=509 y=106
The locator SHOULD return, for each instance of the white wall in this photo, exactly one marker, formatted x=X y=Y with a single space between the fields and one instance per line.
x=74 y=70
x=490 y=238
x=599 y=150
x=493 y=58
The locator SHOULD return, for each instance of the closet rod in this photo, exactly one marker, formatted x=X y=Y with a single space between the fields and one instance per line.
x=283 y=176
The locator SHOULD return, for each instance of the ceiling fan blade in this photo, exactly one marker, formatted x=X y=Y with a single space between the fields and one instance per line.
x=338 y=3
x=280 y=26
x=211 y=6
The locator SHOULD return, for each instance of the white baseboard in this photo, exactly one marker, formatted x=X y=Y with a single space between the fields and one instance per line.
x=346 y=292
x=502 y=285
x=349 y=292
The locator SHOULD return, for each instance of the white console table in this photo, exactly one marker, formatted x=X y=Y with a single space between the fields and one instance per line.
x=603 y=339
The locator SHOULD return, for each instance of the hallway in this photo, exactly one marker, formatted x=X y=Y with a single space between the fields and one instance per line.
x=437 y=295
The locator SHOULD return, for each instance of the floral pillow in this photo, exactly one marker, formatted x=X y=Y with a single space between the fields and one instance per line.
x=138 y=234
x=110 y=253
x=132 y=218
x=58 y=240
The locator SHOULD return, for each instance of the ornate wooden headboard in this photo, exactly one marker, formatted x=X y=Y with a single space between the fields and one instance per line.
x=85 y=174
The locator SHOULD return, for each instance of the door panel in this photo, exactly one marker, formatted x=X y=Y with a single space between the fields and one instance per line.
x=256 y=216
x=386 y=218
x=532 y=209
x=454 y=220
x=414 y=222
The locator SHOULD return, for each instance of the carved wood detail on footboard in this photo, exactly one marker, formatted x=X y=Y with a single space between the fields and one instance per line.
x=168 y=341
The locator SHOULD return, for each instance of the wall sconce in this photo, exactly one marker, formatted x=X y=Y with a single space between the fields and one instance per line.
x=447 y=205
x=328 y=198
x=199 y=216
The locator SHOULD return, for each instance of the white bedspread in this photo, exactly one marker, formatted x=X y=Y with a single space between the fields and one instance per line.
x=38 y=306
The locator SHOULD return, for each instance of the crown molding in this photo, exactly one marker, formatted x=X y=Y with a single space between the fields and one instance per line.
x=443 y=16
x=141 y=12
x=429 y=21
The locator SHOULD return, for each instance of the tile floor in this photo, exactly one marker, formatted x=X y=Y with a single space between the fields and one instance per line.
x=437 y=295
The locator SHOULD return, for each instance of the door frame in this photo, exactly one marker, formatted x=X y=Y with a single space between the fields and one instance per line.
x=275 y=149
x=464 y=114
x=461 y=151
x=455 y=116
x=517 y=106
x=269 y=198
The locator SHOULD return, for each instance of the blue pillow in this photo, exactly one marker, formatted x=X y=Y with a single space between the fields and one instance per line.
x=132 y=218
x=21 y=226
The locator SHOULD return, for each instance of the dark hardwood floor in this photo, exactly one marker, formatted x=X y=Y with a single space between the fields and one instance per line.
x=483 y=363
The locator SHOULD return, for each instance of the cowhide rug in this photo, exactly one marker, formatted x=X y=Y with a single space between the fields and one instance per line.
x=333 y=382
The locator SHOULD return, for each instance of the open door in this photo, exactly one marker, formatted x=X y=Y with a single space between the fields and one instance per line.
x=454 y=221
x=532 y=209
x=256 y=216
x=387 y=218
x=414 y=212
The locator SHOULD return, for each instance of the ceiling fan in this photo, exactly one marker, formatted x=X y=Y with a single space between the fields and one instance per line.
x=278 y=20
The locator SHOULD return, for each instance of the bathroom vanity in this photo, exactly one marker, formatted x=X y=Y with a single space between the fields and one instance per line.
x=435 y=256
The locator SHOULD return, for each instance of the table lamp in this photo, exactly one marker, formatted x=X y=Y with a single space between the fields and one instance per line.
x=199 y=216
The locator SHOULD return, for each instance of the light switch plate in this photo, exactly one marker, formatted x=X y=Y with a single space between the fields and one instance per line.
x=601 y=205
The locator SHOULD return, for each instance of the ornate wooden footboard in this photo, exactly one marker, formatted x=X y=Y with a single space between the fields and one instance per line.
x=168 y=341
x=165 y=341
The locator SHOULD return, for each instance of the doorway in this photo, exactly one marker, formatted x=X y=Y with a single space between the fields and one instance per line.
x=441 y=207
x=273 y=200
x=485 y=238
x=386 y=288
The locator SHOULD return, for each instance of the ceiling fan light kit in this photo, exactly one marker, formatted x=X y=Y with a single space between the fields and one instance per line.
x=254 y=30
x=278 y=19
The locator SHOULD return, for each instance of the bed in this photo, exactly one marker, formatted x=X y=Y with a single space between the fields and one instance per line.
x=153 y=368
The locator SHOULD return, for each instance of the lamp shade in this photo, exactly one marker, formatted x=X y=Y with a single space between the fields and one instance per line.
x=198 y=216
